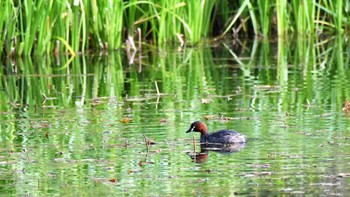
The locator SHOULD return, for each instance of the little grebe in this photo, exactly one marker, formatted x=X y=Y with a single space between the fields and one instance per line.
x=219 y=137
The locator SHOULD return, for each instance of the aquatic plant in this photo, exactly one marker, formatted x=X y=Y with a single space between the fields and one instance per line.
x=43 y=27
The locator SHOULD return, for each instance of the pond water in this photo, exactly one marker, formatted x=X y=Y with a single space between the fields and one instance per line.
x=79 y=126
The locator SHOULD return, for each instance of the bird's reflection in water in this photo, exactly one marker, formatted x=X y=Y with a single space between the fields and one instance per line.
x=203 y=155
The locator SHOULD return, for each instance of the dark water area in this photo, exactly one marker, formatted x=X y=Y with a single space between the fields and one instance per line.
x=79 y=126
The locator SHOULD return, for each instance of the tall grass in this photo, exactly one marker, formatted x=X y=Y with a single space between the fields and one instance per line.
x=79 y=26
x=199 y=13
x=283 y=17
x=282 y=20
x=265 y=10
x=8 y=15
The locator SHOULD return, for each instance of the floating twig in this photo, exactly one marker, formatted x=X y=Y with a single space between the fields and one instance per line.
x=157 y=101
x=194 y=149
x=308 y=103
x=194 y=144
x=158 y=94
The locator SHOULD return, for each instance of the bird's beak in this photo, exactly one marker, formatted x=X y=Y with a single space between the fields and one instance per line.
x=190 y=130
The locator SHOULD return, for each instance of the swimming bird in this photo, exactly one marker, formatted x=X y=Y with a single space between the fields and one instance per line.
x=218 y=137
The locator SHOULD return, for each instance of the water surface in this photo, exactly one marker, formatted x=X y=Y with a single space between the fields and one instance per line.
x=77 y=126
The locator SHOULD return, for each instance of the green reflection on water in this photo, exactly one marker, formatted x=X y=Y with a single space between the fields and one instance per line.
x=77 y=126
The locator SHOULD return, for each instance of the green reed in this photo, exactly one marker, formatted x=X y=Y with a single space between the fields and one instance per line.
x=7 y=27
x=335 y=11
x=303 y=13
x=199 y=18
x=169 y=11
x=80 y=26
x=282 y=22
x=265 y=11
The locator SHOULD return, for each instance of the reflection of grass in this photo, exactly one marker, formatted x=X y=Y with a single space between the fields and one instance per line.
x=78 y=146
x=199 y=76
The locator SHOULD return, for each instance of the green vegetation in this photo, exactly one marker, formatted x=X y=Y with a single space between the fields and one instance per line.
x=64 y=81
x=67 y=26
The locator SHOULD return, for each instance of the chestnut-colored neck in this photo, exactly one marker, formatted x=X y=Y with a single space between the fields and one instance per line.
x=202 y=128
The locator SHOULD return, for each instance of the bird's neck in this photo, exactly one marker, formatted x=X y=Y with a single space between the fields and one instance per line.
x=204 y=137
